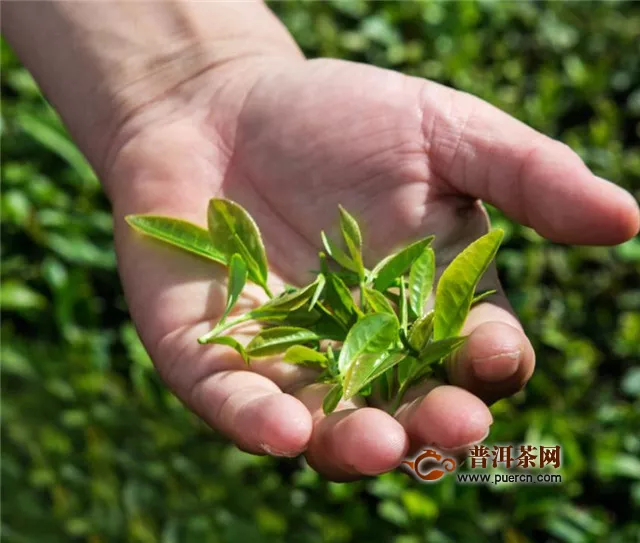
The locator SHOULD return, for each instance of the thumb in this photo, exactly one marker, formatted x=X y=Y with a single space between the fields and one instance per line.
x=476 y=149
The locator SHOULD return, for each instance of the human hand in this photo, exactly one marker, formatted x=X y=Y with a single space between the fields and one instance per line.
x=174 y=103
x=290 y=140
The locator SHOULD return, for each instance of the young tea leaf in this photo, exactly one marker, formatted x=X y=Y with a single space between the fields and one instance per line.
x=230 y=342
x=328 y=326
x=277 y=340
x=338 y=254
x=299 y=317
x=332 y=363
x=421 y=277
x=433 y=352
x=232 y=230
x=372 y=334
x=397 y=264
x=402 y=307
x=421 y=331
x=406 y=369
x=288 y=301
x=376 y=302
x=454 y=293
x=353 y=239
x=235 y=283
x=367 y=367
x=320 y=283
x=332 y=399
x=339 y=298
x=299 y=354
x=182 y=234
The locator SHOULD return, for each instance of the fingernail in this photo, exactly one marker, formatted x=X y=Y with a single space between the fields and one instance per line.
x=275 y=452
x=466 y=445
x=478 y=441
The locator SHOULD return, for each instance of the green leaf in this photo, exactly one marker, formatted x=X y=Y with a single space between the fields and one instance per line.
x=406 y=369
x=372 y=334
x=332 y=399
x=299 y=354
x=367 y=367
x=454 y=293
x=179 y=233
x=320 y=283
x=402 y=306
x=232 y=230
x=421 y=277
x=433 y=352
x=353 y=239
x=421 y=331
x=332 y=363
x=338 y=254
x=230 y=342
x=300 y=317
x=397 y=264
x=287 y=301
x=479 y=297
x=339 y=298
x=15 y=295
x=377 y=302
x=277 y=340
x=328 y=326
x=235 y=284
x=51 y=137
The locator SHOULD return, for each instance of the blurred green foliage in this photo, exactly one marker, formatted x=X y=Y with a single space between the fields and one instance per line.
x=94 y=448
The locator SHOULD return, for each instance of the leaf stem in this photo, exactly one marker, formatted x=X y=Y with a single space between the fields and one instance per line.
x=222 y=326
x=398 y=399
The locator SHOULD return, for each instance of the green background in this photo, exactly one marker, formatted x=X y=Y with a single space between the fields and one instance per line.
x=94 y=448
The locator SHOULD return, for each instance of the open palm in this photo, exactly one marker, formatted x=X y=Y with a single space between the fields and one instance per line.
x=405 y=156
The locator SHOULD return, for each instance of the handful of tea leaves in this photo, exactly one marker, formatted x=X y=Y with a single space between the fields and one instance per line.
x=384 y=339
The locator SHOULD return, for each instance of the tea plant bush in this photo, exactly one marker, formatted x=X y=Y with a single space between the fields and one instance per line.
x=95 y=449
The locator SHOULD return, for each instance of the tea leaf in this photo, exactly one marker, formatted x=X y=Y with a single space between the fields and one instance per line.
x=406 y=368
x=373 y=333
x=332 y=399
x=479 y=297
x=328 y=326
x=179 y=233
x=421 y=331
x=421 y=277
x=235 y=283
x=367 y=367
x=397 y=264
x=402 y=306
x=299 y=354
x=320 y=283
x=377 y=302
x=353 y=239
x=233 y=230
x=433 y=352
x=338 y=254
x=339 y=298
x=458 y=283
x=333 y=362
x=277 y=340
x=230 y=342
x=288 y=301
x=298 y=317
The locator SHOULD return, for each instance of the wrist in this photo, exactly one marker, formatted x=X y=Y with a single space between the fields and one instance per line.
x=110 y=69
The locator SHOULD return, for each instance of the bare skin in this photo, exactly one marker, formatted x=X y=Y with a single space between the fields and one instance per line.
x=289 y=139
